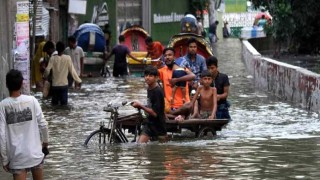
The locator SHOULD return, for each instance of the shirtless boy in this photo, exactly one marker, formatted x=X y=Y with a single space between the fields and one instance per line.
x=206 y=98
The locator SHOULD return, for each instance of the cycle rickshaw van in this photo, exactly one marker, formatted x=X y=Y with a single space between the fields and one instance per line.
x=126 y=128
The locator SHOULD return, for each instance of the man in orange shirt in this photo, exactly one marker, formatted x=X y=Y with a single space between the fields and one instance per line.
x=155 y=50
x=165 y=75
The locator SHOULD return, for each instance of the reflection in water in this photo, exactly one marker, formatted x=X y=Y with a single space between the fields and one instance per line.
x=267 y=139
x=176 y=161
x=175 y=165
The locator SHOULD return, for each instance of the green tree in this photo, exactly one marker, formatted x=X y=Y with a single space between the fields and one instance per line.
x=295 y=22
x=307 y=19
x=198 y=5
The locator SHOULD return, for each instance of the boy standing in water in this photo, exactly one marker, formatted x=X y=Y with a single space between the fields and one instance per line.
x=155 y=127
x=206 y=107
x=21 y=121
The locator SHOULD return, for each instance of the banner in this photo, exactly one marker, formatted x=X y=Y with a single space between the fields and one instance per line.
x=22 y=51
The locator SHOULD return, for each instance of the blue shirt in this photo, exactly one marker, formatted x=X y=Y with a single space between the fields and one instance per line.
x=196 y=66
x=179 y=60
x=262 y=22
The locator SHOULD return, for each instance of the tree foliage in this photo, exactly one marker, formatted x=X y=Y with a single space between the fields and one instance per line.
x=198 y=5
x=296 y=22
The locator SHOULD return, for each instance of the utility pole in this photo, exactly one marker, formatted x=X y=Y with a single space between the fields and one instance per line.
x=212 y=11
x=34 y=21
x=54 y=20
x=213 y=6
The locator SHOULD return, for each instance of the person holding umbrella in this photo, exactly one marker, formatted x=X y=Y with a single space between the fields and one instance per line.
x=262 y=22
x=259 y=16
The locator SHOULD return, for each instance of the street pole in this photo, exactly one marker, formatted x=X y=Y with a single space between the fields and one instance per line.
x=54 y=21
x=212 y=11
x=34 y=21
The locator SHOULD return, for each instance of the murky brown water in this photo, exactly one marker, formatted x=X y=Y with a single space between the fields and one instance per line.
x=267 y=139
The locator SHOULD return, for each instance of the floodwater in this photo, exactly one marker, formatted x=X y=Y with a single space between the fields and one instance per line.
x=267 y=138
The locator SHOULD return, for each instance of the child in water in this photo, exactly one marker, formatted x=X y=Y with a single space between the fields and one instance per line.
x=206 y=96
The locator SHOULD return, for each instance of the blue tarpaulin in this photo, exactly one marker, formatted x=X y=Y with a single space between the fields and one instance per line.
x=87 y=31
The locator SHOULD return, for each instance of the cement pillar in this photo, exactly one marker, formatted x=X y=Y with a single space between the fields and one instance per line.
x=54 y=20
x=146 y=15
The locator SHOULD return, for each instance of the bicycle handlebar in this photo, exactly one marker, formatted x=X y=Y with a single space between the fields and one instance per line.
x=113 y=108
x=125 y=103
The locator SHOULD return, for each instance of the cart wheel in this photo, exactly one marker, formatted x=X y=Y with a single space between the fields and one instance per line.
x=100 y=137
x=206 y=132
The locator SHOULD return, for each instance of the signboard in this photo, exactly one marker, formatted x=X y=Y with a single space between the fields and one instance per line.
x=172 y=17
x=77 y=7
x=23 y=7
x=236 y=21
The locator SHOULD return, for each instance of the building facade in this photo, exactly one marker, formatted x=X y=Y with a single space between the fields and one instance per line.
x=7 y=19
x=154 y=16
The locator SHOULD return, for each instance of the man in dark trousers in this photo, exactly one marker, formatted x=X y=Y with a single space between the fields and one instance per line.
x=213 y=32
x=120 y=51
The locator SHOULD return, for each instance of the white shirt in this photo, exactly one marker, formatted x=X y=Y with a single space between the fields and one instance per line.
x=61 y=66
x=21 y=119
x=76 y=54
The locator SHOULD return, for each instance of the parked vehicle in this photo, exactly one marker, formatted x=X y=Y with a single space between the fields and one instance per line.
x=179 y=43
x=90 y=38
x=135 y=40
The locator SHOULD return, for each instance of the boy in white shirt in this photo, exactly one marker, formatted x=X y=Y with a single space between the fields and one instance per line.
x=23 y=131
x=61 y=65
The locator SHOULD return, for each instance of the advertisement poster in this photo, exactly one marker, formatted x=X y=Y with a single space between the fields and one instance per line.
x=22 y=40
x=22 y=17
x=22 y=51
x=23 y=7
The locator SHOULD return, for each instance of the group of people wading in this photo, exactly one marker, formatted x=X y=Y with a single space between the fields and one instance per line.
x=58 y=67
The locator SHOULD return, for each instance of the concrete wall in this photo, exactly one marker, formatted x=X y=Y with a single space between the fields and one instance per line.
x=7 y=18
x=291 y=83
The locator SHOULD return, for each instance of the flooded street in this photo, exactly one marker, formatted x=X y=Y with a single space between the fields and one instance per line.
x=267 y=138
